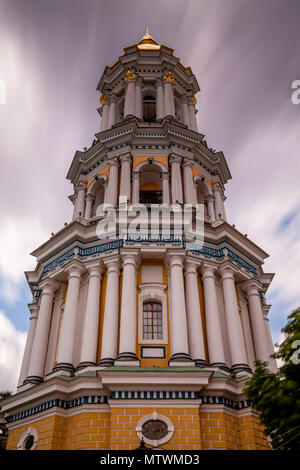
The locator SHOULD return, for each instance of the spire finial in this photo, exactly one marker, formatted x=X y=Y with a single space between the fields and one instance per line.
x=147 y=29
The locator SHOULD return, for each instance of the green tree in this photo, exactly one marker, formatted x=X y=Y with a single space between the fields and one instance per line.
x=277 y=396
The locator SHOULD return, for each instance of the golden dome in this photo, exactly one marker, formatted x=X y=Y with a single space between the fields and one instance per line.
x=147 y=42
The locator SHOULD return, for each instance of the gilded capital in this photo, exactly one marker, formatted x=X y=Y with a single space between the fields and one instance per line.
x=168 y=77
x=103 y=99
x=129 y=76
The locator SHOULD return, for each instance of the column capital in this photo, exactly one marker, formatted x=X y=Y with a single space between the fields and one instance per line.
x=208 y=270
x=113 y=162
x=226 y=271
x=95 y=268
x=136 y=175
x=158 y=82
x=34 y=310
x=49 y=286
x=175 y=158
x=251 y=287
x=191 y=266
x=89 y=196
x=112 y=98
x=210 y=197
x=113 y=264
x=187 y=162
x=217 y=187
x=75 y=269
x=130 y=257
x=126 y=157
x=165 y=175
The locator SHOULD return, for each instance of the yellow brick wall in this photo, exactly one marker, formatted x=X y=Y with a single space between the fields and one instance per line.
x=223 y=431
x=115 y=430
x=185 y=421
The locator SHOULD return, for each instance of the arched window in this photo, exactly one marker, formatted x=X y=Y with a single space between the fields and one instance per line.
x=149 y=109
x=152 y=320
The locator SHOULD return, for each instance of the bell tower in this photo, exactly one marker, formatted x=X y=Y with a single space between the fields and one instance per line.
x=143 y=337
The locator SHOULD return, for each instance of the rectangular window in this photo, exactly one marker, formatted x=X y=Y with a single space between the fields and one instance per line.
x=152 y=320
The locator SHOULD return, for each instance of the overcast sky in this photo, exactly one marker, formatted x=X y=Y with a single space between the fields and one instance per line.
x=245 y=55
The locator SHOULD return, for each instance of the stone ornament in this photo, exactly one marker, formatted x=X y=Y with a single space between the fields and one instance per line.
x=168 y=77
x=129 y=76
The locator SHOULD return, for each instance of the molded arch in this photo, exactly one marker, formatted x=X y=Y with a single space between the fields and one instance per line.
x=98 y=179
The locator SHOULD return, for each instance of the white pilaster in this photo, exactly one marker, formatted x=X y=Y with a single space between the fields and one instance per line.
x=91 y=318
x=41 y=337
x=111 y=194
x=128 y=328
x=109 y=349
x=160 y=106
x=185 y=111
x=79 y=205
x=212 y=319
x=169 y=104
x=29 y=342
x=210 y=207
x=234 y=325
x=112 y=111
x=261 y=345
x=165 y=188
x=176 y=183
x=89 y=199
x=138 y=99
x=192 y=113
x=194 y=321
x=66 y=344
x=105 y=116
x=136 y=187
x=188 y=183
x=125 y=184
x=129 y=105
x=178 y=320
x=219 y=202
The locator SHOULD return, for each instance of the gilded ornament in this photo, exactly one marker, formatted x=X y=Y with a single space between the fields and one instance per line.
x=168 y=77
x=129 y=76
x=194 y=101
x=103 y=99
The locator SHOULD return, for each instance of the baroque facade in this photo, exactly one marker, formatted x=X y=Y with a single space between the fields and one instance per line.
x=144 y=338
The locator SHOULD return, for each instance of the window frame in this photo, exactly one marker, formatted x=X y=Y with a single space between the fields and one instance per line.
x=152 y=292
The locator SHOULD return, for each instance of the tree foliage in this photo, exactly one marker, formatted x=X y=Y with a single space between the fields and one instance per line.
x=277 y=396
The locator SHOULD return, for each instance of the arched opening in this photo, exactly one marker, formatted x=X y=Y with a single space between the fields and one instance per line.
x=95 y=196
x=178 y=110
x=150 y=184
x=202 y=192
x=149 y=108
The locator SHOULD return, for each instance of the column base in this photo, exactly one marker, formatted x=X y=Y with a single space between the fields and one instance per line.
x=241 y=367
x=64 y=366
x=127 y=356
x=220 y=365
x=201 y=363
x=33 y=379
x=180 y=357
x=106 y=362
x=84 y=364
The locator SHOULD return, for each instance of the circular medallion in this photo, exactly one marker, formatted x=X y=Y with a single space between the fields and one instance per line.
x=155 y=429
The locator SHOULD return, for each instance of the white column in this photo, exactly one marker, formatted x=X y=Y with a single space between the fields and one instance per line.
x=41 y=337
x=169 y=110
x=89 y=199
x=233 y=321
x=176 y=184
x=125 y=184
x=29 y=342
x=105 y=116
x=109 y=349
x=111 y=194
x=193 y=120
x=257 y=322
x=129 y=105
x=160 y=106
x=185 y=111
x=247 y=330
x=272 y=361
x=69 y=319
x=178 y=321
x=89 y=344
x=138 y=99
x=188 y=183
x=212 y=318
x=135 y=187
x=165 y=188
x=79 y=206
x=210 y=206
x=112 y=111
x=219 y=202
x=127 y=345
x=194 y=321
